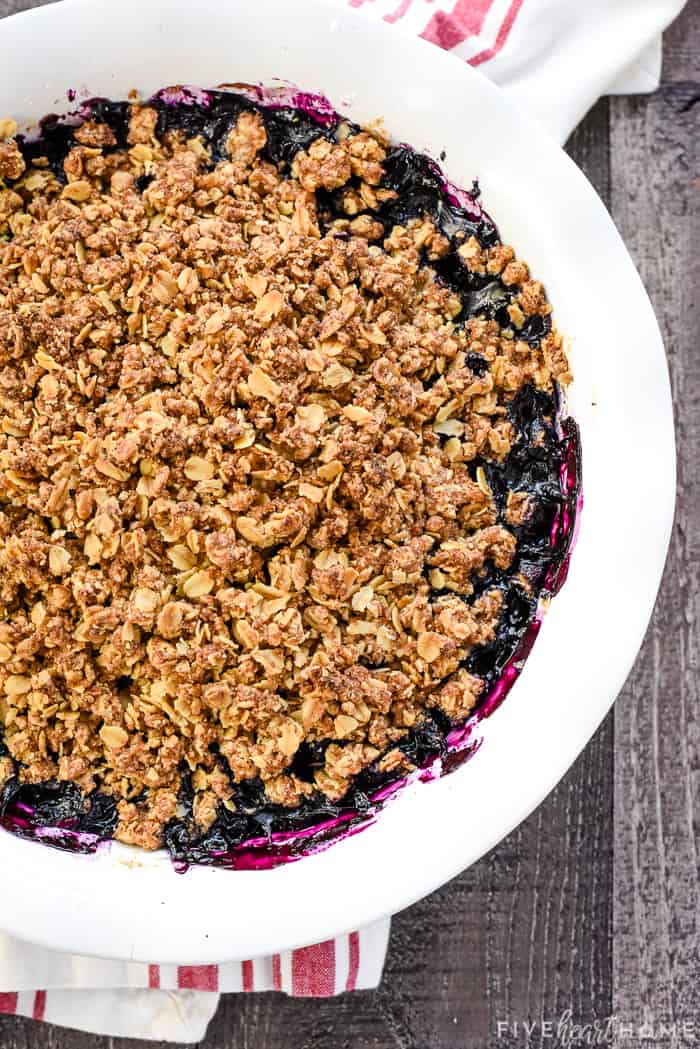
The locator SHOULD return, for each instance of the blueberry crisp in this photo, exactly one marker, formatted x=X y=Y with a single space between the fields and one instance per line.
x=282 y=468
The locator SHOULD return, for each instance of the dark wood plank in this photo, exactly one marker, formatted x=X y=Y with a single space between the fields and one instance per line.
x=525 y=933
x=681 y=46
x=656 y=178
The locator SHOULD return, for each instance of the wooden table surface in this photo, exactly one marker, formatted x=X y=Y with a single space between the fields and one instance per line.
x=592 y=905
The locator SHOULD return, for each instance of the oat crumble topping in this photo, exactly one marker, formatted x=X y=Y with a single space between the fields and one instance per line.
x=243 y=502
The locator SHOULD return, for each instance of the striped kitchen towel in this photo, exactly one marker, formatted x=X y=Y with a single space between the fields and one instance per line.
x=555 y=57
x=175 y=1002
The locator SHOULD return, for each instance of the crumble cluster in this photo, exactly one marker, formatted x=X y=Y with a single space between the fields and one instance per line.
x=235 y=455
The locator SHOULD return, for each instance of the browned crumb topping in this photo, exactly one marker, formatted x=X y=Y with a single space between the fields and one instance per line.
x=225 y=500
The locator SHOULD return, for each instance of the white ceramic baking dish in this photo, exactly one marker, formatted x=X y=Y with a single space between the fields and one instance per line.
x=126 y=904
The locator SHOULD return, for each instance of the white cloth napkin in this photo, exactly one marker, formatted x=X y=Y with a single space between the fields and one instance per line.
x=555 y=58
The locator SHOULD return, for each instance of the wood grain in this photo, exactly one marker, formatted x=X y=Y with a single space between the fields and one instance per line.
x=681 y=46
x=655 y=150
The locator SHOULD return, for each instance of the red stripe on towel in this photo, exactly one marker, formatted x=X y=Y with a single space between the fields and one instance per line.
x=447 y=29
x=313 y=970
x=400 y=11
x=39 y=1005
x=247 y=975
x=8 y=1002
x=154 y=977
x=353 y=960
x=276 y=972
x=198 y=977
x=507 y=25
